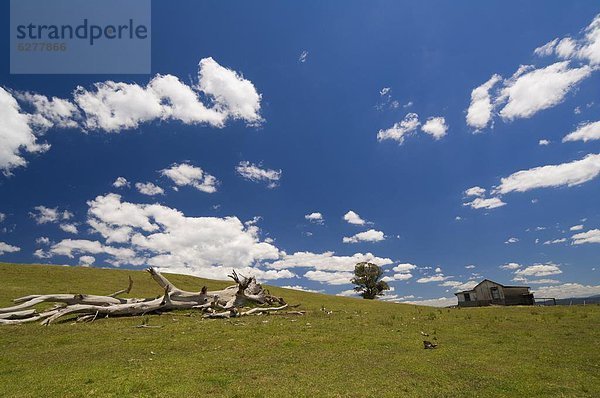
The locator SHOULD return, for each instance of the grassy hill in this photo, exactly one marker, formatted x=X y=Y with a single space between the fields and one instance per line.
x=364 y=348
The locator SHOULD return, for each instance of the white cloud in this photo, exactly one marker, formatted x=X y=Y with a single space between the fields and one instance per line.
x=48 y=113
x=543 y=142
x=570 y=174
x=42 y=240
x=438 y=270
x=555 y=241
x=436 y=127
x=475 y=191
x=436 y=302
x=330 y=278
x=384 y=91
x=530 y=91
x=233 y=95
x=69 y=227
x=303 y=56
x=15 y=134
x=366 y=236
x=86 y=261
x=479 y=113
x=576 y=227
x=567 y=290
x=398 y=277
x=434 y=278
x=121 y=182
x=483 y=203
x=301 y=288
x=353 y=218
x=460 y=286
x=511 y=266
x=585 y=132
x=348 y=293
x=586 y=48
x=43 y=215
x=184 y=174
x=165 y=238
x=149 y=189
x=399 y=130
x=539 y=270
x=256 y=173
x=114 y=106
x=6 y=248
x=404 y=267
x=591 y=236
x=326 y=261
x=469 y=266
x=316 y=218
x=512 y=240
x=2 y=217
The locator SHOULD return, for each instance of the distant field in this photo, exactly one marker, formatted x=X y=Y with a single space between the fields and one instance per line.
x=364 y=348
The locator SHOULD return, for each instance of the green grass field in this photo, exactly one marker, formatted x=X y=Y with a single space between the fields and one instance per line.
x=363 y=349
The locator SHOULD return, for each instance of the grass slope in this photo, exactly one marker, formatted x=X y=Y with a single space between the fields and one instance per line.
x=365 y=348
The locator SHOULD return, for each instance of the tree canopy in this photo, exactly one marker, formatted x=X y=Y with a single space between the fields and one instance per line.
x=367 y=278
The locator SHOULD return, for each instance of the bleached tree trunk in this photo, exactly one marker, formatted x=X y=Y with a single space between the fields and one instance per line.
x=229 y=300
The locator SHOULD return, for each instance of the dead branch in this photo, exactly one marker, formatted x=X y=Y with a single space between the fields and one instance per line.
x=225 y=303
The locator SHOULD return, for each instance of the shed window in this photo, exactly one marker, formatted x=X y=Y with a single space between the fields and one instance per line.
x=467 y=297
x=495 y=293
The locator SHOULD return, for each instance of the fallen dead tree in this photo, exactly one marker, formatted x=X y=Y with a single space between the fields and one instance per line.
x=246 y=297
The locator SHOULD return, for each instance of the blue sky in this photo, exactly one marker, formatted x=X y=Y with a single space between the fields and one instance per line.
x=379 y=108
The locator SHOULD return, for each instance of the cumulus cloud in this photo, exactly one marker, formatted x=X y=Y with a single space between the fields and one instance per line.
x=114 y=106
x=353 y=218
x=460 y=286
x=301 y=288
x=576 y=227
x=121 y=182
x=253 y=172
x=436 y=127
x=330 y=278
x=326 y=261
x=149 y=189
x=221 y=95
x=555 y=241
x=48 y=113
x=586 y=47
x=436 y=302
x=42 y=240
x=315 y=217
x=585 y=132
x=511 y=266
x=485 y=203
x=512 y=240
x=538 y=270
x=529 y=92
x=479 y=113
x=184 y=174
x=69 y=227
x=367 y=236
x=165 y=238
x=6 y=248
x=475 y=191
x=570 y=174
x=434 y=278
x=591 y=236
x=43 y=214
x=567 y=290
x=400 y=130
x=543 y=142
x=86 y=261
x=16 y=136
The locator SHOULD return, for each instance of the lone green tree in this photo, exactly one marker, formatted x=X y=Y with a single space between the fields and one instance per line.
x=367 y=278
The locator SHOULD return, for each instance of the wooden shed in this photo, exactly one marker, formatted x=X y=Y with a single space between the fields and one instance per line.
x=488 y=292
